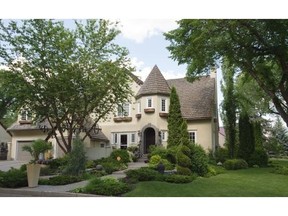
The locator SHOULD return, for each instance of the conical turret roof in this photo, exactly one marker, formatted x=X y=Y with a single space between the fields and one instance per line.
x=155 y=84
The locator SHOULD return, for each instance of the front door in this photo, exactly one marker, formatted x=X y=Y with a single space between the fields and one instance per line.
x=123 y=141
x=149 y=139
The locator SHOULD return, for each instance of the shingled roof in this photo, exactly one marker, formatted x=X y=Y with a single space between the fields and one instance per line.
x=197 y=98
x=155 y=84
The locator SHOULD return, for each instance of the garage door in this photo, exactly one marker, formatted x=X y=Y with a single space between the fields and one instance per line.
x=23 y=155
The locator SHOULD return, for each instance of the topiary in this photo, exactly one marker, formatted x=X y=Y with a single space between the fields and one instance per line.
x=183 y=171
x=156 y=159
x=183 y=160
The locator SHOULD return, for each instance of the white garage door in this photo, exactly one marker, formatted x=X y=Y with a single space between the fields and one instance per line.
x=23 y=155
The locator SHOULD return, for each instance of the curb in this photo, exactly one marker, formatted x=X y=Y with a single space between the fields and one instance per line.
x=44 y=193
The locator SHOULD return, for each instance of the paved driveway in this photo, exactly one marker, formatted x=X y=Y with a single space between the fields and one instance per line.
x=6 y=165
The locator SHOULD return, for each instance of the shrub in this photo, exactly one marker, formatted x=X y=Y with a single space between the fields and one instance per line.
x=183 y=160
x=171 y=155
x=156 y=159
x=112 y=166
x=122 y=154
x=259 y=157
x=60 y=180
x=46 y=170
x=183 y=171
x=179 y=179
x=143 y=174
x=221 y=154
x=234 y=164
x=281 y=170
x=106 y=186
x=90 y=164
x=199 y=160
x=13 y=178
x=162 y=152
x=58 y=163
x=76 y=159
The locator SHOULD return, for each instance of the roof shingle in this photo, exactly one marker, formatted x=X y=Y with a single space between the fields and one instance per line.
x=155 y=84
x=197 y=98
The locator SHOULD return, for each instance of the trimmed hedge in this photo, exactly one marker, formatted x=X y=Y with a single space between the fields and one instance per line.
x=60 y=180
x=156 y=159
x=234 y=164
x=183 y=171
x=13 y=178
x=106 y=186
x=143 y=174
x=179 y=179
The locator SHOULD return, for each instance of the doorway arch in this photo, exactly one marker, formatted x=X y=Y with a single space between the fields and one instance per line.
x=149 y=138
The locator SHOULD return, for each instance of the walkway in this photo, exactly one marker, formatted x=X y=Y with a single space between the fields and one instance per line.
x=63 y=190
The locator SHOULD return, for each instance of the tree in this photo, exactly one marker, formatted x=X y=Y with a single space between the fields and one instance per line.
x=257 y=48
x=229 y=106
x=175 y=120
x=246 y=137
x=62 y=75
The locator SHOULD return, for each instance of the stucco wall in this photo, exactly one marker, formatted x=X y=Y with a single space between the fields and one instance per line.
x=4 y=136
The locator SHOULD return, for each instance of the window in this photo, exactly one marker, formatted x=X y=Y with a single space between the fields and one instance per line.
x=163 y=105
x=164 y=135
x=115 y=136
x=149 y=103
x=139 y=107
x=192 y=136
x=25 y=115
x=102 y=145
x=123 y=141
x=123 y=110
x=133 y=138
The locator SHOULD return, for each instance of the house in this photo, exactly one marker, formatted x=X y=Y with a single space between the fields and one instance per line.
x=5 y=140
x=143 y=120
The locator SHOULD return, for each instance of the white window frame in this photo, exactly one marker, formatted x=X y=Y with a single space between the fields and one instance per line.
x=26 y=115
x=139 y=107
x=122 y=112
x=165 y=105
x=115 y=138
x=131 y=138
x=195 y=135
x=164 y=136
x=147 y=105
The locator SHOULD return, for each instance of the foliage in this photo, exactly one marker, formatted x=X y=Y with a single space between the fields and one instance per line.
x=179 y=179
x=174 y=120
x=199 y=160
x=229 y=106
x=110 y=165
x=106 y=187
x=37 y=147
x=283 y=170
x=89 y=164
x=13 y=178
x=183 y=171
x=133 y=149
x=76 y=159
x=246 y=137
x=258 y=135
x=65 y=77
x=156 y=159
x=258 y=157
x=122 y=154
x=256 y=47
x=143 y=174
x=58 y=163
x=221 y=154
x=60 y=180
x=234 y=164
x=158 y=150
x=183 y=160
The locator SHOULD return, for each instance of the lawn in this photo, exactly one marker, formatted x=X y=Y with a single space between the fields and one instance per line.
x=252 y=182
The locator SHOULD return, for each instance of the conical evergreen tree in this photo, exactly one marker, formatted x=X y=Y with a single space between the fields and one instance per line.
x=246 y=137
x=174 y=120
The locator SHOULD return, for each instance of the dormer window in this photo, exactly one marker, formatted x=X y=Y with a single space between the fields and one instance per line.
x=26 y=115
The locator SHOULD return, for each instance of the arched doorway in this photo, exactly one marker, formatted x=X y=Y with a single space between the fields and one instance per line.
x=149 y=138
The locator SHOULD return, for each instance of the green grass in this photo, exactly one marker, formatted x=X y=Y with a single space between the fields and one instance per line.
x=253 y=182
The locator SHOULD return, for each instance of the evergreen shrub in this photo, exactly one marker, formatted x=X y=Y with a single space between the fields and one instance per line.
x=156 y=159
x=143 y=174
x=258 y=157
x=122 y=154
x=199 y=160
x=183 y=171
x=179 y=179
x=13 y=178
x=234 y=164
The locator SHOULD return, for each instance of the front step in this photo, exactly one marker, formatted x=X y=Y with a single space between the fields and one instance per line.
x=144 y=158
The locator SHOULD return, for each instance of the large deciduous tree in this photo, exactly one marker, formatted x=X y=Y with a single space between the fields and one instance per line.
x=258 y=48
x=63 y=75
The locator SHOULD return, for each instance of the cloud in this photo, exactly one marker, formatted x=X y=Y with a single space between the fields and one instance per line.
x=143 y=71
x=140 y=29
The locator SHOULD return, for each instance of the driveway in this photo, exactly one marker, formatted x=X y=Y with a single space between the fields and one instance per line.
x=6 y=165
